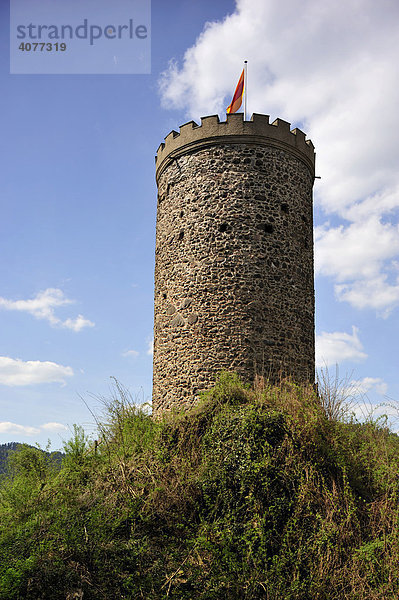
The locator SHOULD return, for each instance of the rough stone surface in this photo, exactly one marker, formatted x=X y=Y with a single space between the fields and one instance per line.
x=234 y=253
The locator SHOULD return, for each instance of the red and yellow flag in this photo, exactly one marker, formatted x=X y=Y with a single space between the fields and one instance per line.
x=237 y=98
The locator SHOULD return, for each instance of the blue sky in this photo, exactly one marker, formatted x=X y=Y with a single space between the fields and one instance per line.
x=78 y=195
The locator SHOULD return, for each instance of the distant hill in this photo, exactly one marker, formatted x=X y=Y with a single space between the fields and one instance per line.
x=7 y=449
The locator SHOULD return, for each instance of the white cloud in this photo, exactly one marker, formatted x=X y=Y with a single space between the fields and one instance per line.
x=358 y=250
x=16 y=372
x=356 y=257
x=360 y=387
x=77 y=324
x=132 y=353
x=42 y=307
x=385 y=201
x=150 y=348
x=338 y=80
x=14 y=428
x=376 y=293
x=337 y=347
x=28 y=430
x=53 y=427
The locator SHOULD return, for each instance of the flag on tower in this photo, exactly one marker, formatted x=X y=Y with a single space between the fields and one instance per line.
x=238 y=94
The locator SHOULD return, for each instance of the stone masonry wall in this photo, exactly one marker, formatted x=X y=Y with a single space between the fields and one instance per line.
x=234 y=267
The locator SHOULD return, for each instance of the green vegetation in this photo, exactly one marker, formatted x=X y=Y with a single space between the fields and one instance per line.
x=255 y=494
x=6 y=450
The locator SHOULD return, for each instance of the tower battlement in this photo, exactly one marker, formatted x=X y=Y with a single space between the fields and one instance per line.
x=258 y=131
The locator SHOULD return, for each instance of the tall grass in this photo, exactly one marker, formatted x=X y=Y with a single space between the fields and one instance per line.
x=262 y=493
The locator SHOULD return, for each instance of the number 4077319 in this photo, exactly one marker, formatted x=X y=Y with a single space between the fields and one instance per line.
x=42 y=47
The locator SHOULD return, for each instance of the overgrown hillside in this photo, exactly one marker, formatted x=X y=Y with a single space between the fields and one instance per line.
x=256 y=494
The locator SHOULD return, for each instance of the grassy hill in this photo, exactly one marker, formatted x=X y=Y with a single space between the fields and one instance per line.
x=255 y=494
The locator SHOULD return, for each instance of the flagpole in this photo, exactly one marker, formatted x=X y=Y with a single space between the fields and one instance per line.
x=245 y=89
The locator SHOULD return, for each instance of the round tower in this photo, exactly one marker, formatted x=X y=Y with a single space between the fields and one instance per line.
x=234 y=256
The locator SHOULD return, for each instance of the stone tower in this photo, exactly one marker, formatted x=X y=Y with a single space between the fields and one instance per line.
x=234 y=256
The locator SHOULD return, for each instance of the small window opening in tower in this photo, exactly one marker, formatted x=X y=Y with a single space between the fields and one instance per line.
x=181 y=235
x=268 y=227
x=223 y=227
x=284 y=207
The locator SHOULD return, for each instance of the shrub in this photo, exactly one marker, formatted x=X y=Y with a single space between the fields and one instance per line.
x=256 y=493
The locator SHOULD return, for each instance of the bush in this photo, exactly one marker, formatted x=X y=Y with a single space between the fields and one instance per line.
x=256 y=493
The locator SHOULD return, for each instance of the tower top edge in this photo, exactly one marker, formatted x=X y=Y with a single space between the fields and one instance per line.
x=234 y=130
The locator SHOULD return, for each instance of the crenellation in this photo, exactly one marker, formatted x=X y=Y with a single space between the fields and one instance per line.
x=283 y=126
x=257 y=130
x=160 y=148
x=187 y=127
x=209 y=123
x=300 y=136
x=171 y=136
x=259 y=119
